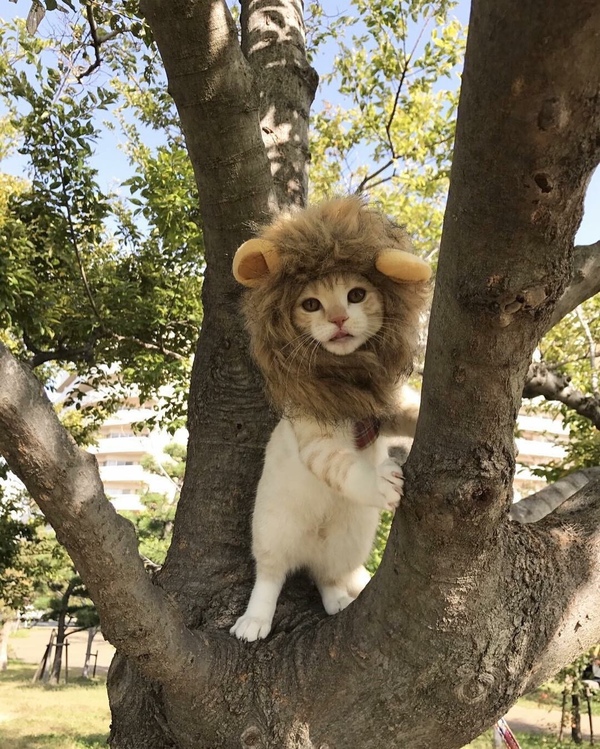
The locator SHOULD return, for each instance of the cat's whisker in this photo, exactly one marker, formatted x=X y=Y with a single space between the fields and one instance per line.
x=294 y=340
x=313 y=355
x=298 y=343
x=304 y=344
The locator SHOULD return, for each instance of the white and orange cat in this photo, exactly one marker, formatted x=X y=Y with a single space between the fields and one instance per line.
x=332 y=312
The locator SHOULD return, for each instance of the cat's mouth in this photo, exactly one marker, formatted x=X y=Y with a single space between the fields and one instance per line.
x=340 y=335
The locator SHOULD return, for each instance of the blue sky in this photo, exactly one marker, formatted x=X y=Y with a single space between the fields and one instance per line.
x=113 y=166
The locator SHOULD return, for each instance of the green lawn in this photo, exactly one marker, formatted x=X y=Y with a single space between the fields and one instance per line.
x=550 y=695
x=527 y=741
x=34 y=716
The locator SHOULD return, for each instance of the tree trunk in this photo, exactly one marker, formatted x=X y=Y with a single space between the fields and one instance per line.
x=85 y=672
x=61 y=631
x=467 y=610
x=576 y=734
x=7 y=628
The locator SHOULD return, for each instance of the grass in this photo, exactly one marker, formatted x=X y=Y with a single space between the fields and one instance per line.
x=36 y=716
x=550 y=695
x=22 y=633
x=527 y=741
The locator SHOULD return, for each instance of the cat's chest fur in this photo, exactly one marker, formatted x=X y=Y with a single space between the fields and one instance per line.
x=308 y=519
x=290 y=437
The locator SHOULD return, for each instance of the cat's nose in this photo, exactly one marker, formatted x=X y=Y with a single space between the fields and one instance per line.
x=339 y=320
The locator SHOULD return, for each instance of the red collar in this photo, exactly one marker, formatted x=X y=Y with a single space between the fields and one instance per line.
x=365 y=432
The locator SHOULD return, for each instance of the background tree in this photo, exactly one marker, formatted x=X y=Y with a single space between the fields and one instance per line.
x=466 y=610
x=154 y=525
x=15 y=585
x=106 y=284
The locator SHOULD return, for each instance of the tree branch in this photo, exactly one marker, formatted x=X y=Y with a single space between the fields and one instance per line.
x=592 y=349
x=490 y=594
x=215 y=93
x=365 y=180
x=536 y=506
x=217 y=97
x=493 y=299
x=72 y=233
x=61 y=353
x=557 y=387
x=86 y=352
x=575 y=524
x=585 y=282
x=149 y=346
x=95 y=41
x=63 y=479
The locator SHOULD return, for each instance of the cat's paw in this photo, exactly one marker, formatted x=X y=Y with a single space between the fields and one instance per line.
x=251 y=628
x=335 y=600
x=390 y=484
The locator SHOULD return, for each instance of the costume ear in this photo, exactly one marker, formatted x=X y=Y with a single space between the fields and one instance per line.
x=402 y=266
x=254 y=260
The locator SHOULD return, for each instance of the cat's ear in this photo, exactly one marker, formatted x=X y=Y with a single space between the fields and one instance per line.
x=402 y=267
x=255 y=260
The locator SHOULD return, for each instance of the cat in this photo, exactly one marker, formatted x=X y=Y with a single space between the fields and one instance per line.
x=333 y=329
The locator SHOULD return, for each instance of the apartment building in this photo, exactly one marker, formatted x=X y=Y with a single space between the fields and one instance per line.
x=120 y=451
x=121 y=448
x=541 y=439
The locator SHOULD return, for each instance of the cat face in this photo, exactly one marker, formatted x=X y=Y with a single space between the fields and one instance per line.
x=341 y=312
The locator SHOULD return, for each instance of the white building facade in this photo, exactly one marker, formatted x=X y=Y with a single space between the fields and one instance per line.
x=122 y=444
x=120 y=451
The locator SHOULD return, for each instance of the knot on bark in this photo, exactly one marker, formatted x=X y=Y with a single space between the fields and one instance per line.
x=553 y=115
x=524 y=301
x=251 y=737
x=544 y=182
x=474 y=688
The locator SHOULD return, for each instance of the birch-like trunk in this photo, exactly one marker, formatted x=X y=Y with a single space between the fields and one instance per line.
x=7 y=627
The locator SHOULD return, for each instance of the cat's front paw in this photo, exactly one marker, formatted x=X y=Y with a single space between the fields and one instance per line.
x=390 y=484
x=335 y=600
x=251 y=628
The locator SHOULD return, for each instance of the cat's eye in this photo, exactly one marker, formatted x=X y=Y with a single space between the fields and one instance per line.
x=356 y=295
x=311 y=304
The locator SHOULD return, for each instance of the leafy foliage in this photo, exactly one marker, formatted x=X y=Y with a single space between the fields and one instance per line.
x=15 y=536
x=392 y=132
x=570 y=348
x=154 y=526
x=98 y=281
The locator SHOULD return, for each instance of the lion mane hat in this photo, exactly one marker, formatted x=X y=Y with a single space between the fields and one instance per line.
x=332 y=238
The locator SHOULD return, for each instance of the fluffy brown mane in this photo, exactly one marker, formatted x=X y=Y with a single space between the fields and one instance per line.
x=342 y=235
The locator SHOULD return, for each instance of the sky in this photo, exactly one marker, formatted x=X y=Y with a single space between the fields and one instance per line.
x=113 y=165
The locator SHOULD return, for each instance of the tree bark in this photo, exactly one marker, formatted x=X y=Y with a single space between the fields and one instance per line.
x=536 y=506
x=467 y=610
x=555 y=386
x=7 y=627
x=274 y=43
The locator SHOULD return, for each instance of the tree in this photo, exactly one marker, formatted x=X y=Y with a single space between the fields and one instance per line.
x=15 y=587
x=154 y=525
x=61 y=608
x=93 y=279
x=467 y=610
